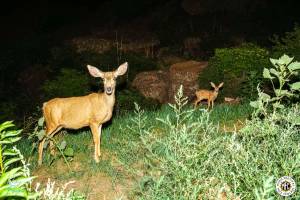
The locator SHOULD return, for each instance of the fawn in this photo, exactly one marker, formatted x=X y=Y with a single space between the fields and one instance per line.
x=76 y=112
x=210 y=95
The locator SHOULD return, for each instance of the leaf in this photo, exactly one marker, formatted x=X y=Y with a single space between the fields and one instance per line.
x=41 y=134
x=6 y=125
x=69 y=152
x=10 y=133
x=278 y=105
x=295 y=86
x=10 y=140
x=283 y=93
x=21 y=181
x=266 y=74
x=285 y=59
x=294 y=66
x=10 y=161
x=254 y=104
x=9 y=152
x=63 y=145
x=274 y=62
x=7 y=175
x=13 y=192
x=41 y=121
x=265 y=97
x=274 y=71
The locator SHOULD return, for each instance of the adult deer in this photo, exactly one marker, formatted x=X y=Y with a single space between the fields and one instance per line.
x=76 y=112
x=210 y=95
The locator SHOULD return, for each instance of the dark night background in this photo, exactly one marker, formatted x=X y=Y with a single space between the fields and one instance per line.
x=34 y=33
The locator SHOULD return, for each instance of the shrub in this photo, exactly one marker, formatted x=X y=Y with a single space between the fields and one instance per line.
x=284 y=89
x=289 y=44
x=238 y=67
x=15 y=180
x=69 y=82
x=187 y=157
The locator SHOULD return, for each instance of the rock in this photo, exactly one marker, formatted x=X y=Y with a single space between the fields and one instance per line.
x=186 y=74
x=229 y=100
x=163 y=85
x=152 y=84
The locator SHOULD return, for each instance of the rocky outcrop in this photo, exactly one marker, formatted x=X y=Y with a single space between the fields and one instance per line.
x=152 y=84
x=163 y=85
x=186 y=74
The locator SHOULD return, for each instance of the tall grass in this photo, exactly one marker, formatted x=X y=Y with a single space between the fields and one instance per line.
x=182 y=154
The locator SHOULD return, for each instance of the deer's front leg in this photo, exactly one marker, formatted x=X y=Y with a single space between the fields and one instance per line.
x=94 y=129
x=99 y=143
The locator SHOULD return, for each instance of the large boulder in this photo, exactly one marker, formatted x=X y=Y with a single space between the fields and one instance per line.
x=185 y=74
x=163 y=85
x=152 y=84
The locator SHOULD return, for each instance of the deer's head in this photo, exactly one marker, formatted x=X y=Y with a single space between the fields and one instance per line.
x=109 y=78
x=216 y=87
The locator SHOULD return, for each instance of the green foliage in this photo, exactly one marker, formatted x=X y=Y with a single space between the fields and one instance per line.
x=39 y=134
x=14 y=181
x=289 y=43
x=125 y=99
x=284 y=89
x=238 y=67
x=69 y=82
x=186 y=156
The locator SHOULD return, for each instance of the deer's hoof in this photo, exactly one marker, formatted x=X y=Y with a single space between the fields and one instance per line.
x=97 y=159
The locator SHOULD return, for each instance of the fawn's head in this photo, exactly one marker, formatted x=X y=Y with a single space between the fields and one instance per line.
x=109 y=78
x=216 y=87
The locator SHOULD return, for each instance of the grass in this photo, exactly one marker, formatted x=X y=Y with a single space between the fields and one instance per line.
x=163 y=150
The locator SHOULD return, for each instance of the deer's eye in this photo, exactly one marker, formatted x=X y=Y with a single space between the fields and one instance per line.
x=115 y=78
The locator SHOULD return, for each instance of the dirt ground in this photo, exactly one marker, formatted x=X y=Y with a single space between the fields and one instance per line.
x=95 y=185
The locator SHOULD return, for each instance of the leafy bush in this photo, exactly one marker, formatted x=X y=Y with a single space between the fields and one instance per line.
x=238 y=67
x=280 y=76
x=188 y=157
x=69 y=82
x=289 y=44
x=14 y=181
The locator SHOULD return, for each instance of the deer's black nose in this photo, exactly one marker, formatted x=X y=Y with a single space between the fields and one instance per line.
x=108 y=89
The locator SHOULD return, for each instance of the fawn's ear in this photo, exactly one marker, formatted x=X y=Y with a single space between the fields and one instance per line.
x=95 y=72
x=212 y=84
x=121 y=69
x=221 y=84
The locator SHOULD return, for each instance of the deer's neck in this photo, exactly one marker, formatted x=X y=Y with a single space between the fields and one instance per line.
x=110 y=99
x=216 y=93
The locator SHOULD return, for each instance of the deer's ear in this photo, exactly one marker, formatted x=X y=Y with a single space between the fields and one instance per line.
x=121 y=69
x=212 y=84
x=221 y=84
x=95 y=72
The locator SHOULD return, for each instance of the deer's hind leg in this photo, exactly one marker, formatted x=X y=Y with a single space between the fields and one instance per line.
x=198 y=100
x=50 y=131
